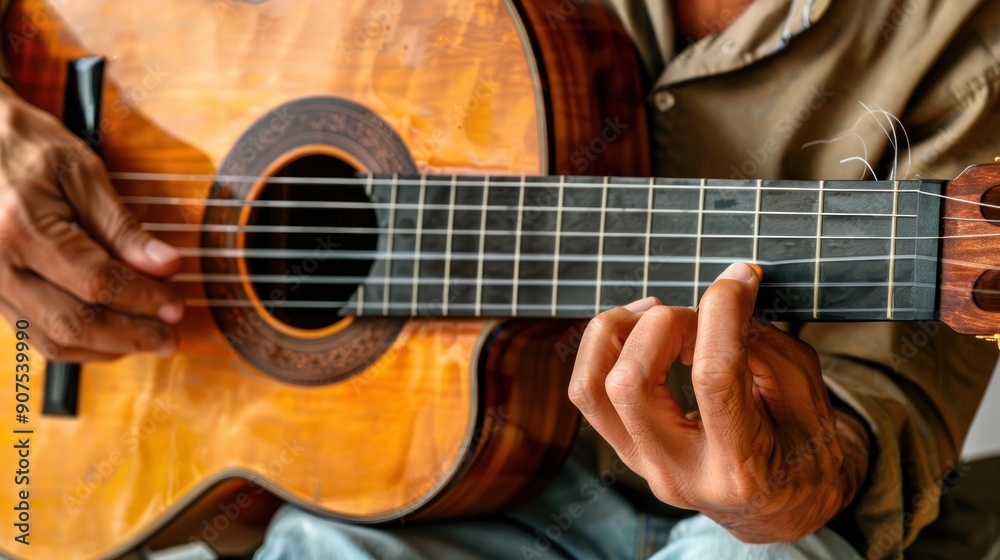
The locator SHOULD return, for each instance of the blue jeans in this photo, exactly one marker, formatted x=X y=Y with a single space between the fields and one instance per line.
x=576 y=518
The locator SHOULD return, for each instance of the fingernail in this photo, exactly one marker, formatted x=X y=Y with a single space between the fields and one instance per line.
x=643 y=304
x=159 y=252
x=170 y=313
x=738 y=271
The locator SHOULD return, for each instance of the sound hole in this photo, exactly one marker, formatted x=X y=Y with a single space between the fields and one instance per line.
x=991 y=210
x=986 y=292
x=312 y=273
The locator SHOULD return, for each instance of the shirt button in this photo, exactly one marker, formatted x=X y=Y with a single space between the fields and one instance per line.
x=664 y=100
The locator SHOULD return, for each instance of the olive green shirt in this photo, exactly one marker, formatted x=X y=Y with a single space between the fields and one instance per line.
x=781 y=92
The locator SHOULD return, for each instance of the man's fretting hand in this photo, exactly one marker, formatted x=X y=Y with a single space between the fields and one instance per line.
x=73 y=260
x=768 y=458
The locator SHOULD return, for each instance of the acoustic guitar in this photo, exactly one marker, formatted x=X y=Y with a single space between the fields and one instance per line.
x=387 y=262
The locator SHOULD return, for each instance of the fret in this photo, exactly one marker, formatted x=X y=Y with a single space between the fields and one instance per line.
x=677 y=234
x=467 y=218
x=578 y=254
x=555 y=252
x=649 y=238
x=698 y=241
x=417 y=245
x=756 y=222
x=819 y=248
x=430 y=234
x=517 y=249
x=368 y=186
x=623 y=249
x=389 y=235
x=865 y=237
x=501 y=237
x=892 y=250
x=727 y=227
x=361 y=301
x=445 y=296
x=482 y=247
x=535 y=245
x=600 y=247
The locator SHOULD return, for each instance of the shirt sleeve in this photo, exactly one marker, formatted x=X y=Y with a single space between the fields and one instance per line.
x=918 y=385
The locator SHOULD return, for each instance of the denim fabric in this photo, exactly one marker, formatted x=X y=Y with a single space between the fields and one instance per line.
x=580 y=516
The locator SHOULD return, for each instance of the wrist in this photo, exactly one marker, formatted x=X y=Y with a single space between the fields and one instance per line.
x=856 y=446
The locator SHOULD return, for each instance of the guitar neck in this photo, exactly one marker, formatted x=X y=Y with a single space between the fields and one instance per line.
x=575 y=246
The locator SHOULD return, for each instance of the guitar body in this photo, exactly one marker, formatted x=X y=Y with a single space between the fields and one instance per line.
x=366 y=419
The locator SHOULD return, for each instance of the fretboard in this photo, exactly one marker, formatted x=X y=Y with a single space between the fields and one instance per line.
x=575 y=246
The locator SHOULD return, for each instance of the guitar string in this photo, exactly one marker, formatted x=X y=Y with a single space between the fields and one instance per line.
x=641 y=184
x=453 y=182
x=327 y=304
x=270 y=228
x=589 y=308
x=317 y=204
x=445 y=180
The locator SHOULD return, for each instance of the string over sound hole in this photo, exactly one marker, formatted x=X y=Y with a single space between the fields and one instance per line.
x=323 y=137
x=303 y=239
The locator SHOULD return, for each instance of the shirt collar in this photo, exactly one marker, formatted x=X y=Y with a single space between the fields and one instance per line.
x=763 y=29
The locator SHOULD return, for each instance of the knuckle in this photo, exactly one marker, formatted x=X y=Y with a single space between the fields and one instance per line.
x=51 y=351
x=148 y=336
x=623 y=385
x=607 y=321
x=582 y=394
x=96 y=284
x=13 y=222
x=121 y=223
x=664 y=314
x=64 y=328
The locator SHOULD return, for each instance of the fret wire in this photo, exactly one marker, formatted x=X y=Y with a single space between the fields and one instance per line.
x=417 y=248
x=697 y=250
x=892 y=250
x=482 y=246
x=389 y=236
x=555 y=256
x=819 y=256
x=517 y=249
x=649 y=232
x=600 y=247
x=447 y=248
x=756 y=223
x=361 y=288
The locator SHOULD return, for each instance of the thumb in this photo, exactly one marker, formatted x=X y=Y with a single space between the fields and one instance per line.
x=102 y=214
